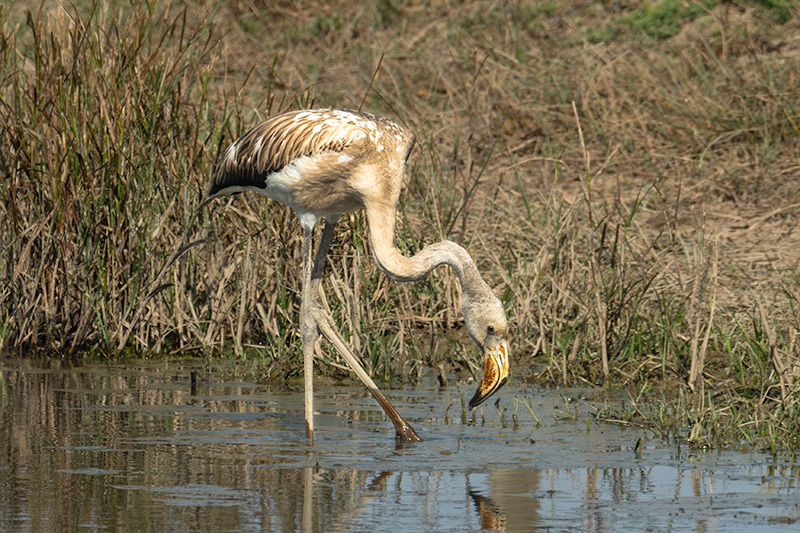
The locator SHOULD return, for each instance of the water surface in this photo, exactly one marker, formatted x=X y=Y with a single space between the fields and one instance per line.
x=131 y=447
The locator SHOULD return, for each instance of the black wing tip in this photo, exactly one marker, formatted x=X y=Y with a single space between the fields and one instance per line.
x=229 y=179
x=217 y=185
x=214 y=190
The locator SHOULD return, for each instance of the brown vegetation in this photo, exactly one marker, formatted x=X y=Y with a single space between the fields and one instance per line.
x=629 y=189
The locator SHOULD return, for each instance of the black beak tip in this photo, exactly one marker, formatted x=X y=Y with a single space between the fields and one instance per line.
x=477 y=399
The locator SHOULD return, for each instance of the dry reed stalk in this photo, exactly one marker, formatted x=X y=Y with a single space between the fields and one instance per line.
x=600 y=305
x=774 y=353
x=698 y=349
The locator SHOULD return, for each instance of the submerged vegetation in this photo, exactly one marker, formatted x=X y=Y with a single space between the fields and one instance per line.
x=626 y=176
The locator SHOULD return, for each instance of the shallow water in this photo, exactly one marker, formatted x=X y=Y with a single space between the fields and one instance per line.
x=129 y=447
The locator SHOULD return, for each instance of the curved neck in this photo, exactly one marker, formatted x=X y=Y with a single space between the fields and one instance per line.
x=401 y=268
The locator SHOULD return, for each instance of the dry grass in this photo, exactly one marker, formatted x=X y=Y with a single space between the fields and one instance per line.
x=629 y=189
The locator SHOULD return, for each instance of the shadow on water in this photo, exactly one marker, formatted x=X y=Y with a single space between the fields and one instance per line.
x=130 y=447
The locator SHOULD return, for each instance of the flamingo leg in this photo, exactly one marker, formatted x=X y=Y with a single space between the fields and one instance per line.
x=316 y=316
x=322 y=250
x=309 y=332
x=403 y=430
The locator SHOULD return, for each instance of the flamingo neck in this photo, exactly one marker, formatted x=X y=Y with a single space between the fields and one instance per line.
x=402 y=268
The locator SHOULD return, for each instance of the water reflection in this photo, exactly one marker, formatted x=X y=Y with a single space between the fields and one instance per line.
x=509 y=504
x=135 y=447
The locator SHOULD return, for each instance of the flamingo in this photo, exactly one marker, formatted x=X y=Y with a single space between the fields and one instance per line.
x=325 y=162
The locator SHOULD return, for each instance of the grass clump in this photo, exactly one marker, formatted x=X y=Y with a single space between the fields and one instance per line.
x=665 y=18
x=106 y=122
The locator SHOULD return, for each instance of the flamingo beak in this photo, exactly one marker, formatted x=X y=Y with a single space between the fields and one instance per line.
x=495 y=374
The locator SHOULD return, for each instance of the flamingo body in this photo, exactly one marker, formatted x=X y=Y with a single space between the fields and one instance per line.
x=325 y=162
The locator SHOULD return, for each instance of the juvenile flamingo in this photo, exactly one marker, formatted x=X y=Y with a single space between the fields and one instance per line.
x=326 y=162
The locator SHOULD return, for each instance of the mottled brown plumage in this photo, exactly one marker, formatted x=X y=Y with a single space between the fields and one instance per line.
x=323 y=163
x=322 y=147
